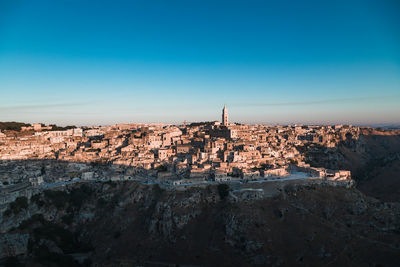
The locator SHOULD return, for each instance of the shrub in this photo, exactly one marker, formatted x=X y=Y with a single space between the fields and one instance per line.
x=78 y=196
x=223 y=191
x=36 y=199
x=162 y=168
x=64 y=239
x=7 y=213
x=157 y=190
x=12 y=262
x=111 y=183
x=21 y=203
x=117 y=234
x=67 y=219
x=44 y=257
x=57 y=198
x=59 y=128
x=75 y=198
x=37 y=218
x=101 y=202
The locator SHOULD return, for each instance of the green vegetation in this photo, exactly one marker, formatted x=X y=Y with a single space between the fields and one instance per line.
x=117 y=234
x=115 y=200
x=67 y=219
x=12 y=262
x=111 y=183
x=44 y=257
x=59 y=128
x=7 y=213
x=223 y=191
x=21 y=203
x=78 y=196
x=36 y=199
x=74 y=199
x=62 y=237
x=58 y=198
x=101 y=203
x=12 y=125
x=194 y=124
x=41 y=229
x=42 y=170
x=162 y=168
x=34 y=220
x=157 y=190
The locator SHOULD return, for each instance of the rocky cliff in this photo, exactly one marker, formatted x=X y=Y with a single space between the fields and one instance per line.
x=373 y=159
x=127 y=223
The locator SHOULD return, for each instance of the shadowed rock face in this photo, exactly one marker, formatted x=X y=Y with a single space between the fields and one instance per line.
x=373 y=159
x=134 y=224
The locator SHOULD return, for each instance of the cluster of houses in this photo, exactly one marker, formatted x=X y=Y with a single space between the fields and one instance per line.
x=178 y=154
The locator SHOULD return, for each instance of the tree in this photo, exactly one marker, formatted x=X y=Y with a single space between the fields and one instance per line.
x=21 y=203
x=12 y=125
x=223 y=191
x=162 y=168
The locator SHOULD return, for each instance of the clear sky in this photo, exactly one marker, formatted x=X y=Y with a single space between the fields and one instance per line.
x=105 y=62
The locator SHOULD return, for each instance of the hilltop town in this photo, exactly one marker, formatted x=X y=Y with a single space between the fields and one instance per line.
x=193 y=154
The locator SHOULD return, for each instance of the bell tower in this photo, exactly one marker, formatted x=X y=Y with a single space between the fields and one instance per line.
x=225 y=116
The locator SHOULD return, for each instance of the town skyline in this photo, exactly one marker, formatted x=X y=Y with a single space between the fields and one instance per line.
x=223 y=121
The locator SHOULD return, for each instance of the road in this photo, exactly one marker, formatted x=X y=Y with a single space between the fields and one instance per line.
x=151 y=180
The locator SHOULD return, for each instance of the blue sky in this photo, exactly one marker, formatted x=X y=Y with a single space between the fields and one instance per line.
x=105 y=62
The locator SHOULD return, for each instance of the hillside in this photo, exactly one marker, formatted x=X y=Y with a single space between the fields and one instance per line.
x=373 y=159
x=114 y=224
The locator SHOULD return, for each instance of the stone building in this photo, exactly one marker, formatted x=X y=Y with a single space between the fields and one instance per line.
x=225 y=121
